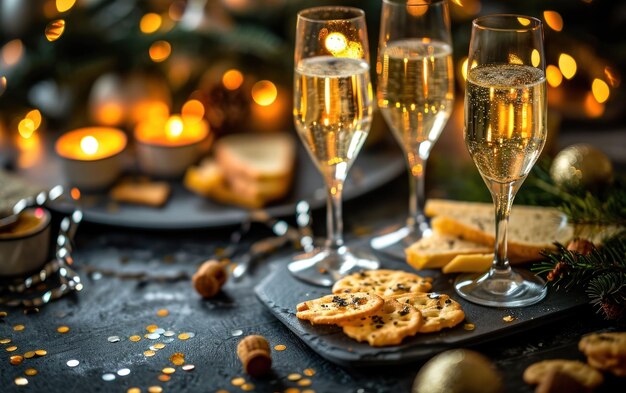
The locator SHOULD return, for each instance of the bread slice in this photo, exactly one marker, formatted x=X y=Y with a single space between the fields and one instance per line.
x=437 y=250
x=153 y=194
x=470 y=263
x=531 y=228
x=256 y=157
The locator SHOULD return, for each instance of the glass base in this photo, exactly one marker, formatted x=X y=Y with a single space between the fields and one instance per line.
x=393 y=241
x=325 y=266
x=514 y=288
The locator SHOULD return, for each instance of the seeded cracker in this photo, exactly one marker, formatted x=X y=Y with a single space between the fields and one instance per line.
x=383 y=283
x=331 y=309
x=388 y=326
x=438 y=310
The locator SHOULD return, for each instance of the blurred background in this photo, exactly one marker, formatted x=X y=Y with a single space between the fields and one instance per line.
x=71 y=63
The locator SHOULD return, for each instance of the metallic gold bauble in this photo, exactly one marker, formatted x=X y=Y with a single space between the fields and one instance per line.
x=581 y=166
x=458 y=371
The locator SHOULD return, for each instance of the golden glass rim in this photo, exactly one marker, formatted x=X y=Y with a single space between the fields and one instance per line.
x=405 y=3
x=358 y=13
x=535 y=23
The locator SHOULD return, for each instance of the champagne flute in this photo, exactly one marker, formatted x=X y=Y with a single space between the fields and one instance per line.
x=333 y=102
x=505 y=131
x=415 y=95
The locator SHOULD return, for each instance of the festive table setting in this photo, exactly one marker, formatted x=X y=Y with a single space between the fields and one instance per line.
x=183 y=208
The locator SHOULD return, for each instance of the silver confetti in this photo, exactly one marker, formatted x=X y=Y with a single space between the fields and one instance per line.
x=122 y=372
x=188 y=367
x=169 y=333
x=108 y=377
x=237 y=332
x=153 y=336
x=168 y=340
x=159 y=331
x=72 y=363
x=153 y=348
x=113 y=339
x=191 y=334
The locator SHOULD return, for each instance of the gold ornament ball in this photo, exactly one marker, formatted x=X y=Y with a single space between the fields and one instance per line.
x=458 y=371
x=581 y=166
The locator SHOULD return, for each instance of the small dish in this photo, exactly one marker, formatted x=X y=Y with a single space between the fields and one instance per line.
x=25 y=246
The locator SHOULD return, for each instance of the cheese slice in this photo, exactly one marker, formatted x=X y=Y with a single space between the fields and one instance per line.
x=437 y=250
x=470 y=263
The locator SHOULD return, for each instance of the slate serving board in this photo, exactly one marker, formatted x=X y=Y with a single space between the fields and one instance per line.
x=280 y=292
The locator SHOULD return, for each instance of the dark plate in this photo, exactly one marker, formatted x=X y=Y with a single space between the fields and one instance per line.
x=281 y=292
x=184 y=210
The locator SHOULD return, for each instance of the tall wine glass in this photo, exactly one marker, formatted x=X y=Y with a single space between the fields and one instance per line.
x=415 y=94
x=333 y=102
x=505 y=130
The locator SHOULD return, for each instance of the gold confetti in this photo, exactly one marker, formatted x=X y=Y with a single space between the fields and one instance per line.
x=159 y=345
x=134 y=338
x=508 y=318
x=163 y=313
x=280 y=347
x=222 y=391
x=3 y=314
x=238 y=381
x=168 y=370
x=21 y=381
x=188 y=367
x=149 y=353
x=151 y=328
x=469 y=326
x=247 y=387
x=41 y=352
x=63 y=329
x=305 y=382
x=164 y=377
x=16 y=360
x=30 y=372
x=292 y=390
x=19 y=328
x=11 y=348
x=178 y=359
x=308 y=391
x=54 y=30
x=294 y=377
x=29 y=354
x=5 y=341
x=184 y=336
x=309 y=372
x=133 y=390
x=155 y=389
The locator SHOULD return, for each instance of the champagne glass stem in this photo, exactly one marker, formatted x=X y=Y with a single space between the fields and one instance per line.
x=417 y=168
x=503 y=195
x=334 y=219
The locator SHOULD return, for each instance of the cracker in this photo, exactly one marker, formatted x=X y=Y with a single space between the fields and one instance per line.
x=439 y=311
x=153 y=194
x=388 y=326
x=604 y=345
x=383 y=282
x=332 y=309
x=584 y=374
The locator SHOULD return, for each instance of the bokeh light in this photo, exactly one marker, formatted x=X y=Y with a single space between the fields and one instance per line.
x=264 y=92
x=232 y=79
x=55 y=29
x=150 y=23
x=554 y=76
x=600 y=90
x=160 y=51
x=567 y=65
x=554 y=20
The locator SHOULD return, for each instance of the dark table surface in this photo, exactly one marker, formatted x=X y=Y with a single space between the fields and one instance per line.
x=114 y=306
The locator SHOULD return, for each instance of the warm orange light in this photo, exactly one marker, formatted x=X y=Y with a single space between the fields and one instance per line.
x=600 y=90
x=553 y=76
x=264 y=92
x=592 y=107
x=89 y=145
x=553 y=20
x=55 y=29
x=174 y=127
x=611 y=75
x=176 y=10
x=464 y=67
x=418 y=7
x=160 y=51
x=150 y=23
x=535 y=58
x=523 y=21
x=567 y=65
x=64 y=5
x=26 y=128
x=192 y=111
x=12 y=52
x=232 y=79
x=109 y=113
x=514 y=59
x=336 y=42
x=35 y=116
x=75 y=193
x=31 y=151
x=3 y=84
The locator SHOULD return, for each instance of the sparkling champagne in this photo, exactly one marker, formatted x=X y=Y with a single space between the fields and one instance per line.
x=416 y=91
x=333 y=111
x=505 y=119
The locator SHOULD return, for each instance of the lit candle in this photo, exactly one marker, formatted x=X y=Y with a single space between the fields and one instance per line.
x=92 y=156
x=167 y=147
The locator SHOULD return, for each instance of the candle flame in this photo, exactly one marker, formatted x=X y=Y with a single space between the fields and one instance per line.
x=174 y=127
x=89 y=145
